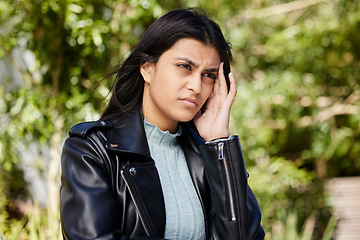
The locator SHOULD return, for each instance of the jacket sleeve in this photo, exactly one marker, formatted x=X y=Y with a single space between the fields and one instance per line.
x=87 y=202
x=89 y=207
x=237 y=214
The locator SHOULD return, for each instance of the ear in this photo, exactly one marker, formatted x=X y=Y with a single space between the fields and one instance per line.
x=146 y=71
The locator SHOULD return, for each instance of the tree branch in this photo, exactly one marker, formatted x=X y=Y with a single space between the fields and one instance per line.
x=274 y=10
x=326 y=114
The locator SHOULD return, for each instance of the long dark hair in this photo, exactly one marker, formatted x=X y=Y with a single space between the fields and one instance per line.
x=127 y=89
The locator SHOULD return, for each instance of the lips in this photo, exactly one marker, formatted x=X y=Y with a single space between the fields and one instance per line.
x=189 y=101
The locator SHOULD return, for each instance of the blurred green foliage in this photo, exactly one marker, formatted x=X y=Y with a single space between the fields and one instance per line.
x=297 y=109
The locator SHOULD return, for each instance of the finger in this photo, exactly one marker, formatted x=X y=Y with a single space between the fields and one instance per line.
x=220 y=81
x=233 y=88
x=221 y=75
x=217 y=81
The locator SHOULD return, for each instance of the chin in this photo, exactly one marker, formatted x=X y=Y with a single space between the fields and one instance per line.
x=185 y=115
x=186 y=119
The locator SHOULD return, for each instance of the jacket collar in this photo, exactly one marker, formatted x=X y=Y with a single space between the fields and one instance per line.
x=129 y=136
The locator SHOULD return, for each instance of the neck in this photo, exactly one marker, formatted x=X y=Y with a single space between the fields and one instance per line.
x=155 y=116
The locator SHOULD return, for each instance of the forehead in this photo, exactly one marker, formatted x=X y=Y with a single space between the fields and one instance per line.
x=194 y=50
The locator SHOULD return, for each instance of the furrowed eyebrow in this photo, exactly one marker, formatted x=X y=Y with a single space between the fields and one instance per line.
x=196 y=65
x=215 y=70
x=188 y=61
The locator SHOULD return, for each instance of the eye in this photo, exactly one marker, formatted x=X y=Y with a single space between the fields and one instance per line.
x=212 y=76
x=185 y=66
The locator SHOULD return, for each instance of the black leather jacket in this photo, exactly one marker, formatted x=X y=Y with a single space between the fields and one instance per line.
x=111 y=188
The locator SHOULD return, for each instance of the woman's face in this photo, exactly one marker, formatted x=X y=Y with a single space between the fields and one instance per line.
x=178 y=85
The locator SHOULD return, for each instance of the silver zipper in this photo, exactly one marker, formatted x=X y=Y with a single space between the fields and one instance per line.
x=221 y=150
x=136 y=206
x=227 y=175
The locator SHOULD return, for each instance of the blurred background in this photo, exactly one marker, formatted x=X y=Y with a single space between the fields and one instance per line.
x=297 y=111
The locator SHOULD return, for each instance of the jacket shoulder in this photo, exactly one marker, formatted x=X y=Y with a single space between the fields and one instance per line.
x=84 y=128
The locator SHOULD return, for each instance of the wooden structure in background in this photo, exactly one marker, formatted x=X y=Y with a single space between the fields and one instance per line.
x=345 y=199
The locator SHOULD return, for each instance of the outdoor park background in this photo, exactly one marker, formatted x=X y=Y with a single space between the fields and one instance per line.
x=296 y=112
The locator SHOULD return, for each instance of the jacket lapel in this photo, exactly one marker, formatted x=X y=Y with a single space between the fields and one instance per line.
x=129 y=136
x=141 y=176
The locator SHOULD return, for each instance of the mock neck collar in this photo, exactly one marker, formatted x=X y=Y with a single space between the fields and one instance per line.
x=167 y=133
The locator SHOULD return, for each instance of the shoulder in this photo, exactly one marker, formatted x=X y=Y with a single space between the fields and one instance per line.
x=83 y=129
x=86 y=138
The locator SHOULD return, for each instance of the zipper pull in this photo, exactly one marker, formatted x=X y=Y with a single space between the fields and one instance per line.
x=221 y=150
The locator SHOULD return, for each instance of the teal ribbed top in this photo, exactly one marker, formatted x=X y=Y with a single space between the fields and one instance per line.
x=184 y=215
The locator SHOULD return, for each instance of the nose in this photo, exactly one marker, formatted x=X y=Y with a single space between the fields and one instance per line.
x=194 y=83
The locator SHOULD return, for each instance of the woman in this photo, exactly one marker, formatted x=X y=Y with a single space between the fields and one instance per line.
x=160 y=163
